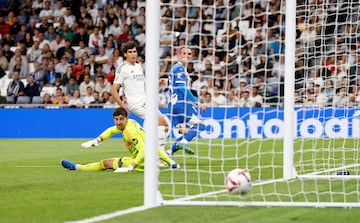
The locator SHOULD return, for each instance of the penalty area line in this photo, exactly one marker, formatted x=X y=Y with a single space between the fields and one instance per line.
x=110 y=215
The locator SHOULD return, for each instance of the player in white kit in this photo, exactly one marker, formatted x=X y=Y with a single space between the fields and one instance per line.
x=130 y=76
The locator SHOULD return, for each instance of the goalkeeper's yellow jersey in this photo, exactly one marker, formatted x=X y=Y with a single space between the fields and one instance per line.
x=133 y=135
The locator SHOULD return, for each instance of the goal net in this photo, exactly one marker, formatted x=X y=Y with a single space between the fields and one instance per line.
x=285 y=108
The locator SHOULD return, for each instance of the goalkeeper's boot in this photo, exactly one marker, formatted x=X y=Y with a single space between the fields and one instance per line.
x=68 y=164
x=185 y=147
x=175 y=166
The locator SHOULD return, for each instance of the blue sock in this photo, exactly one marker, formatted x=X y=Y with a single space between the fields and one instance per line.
x=173 y=147
x=189 y=136
x=194 y=131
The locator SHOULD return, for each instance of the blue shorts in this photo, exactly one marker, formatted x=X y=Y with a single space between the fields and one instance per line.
x=181 y=113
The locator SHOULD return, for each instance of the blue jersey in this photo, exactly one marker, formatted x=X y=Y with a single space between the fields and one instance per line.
x=179 y=85
x=181 y=101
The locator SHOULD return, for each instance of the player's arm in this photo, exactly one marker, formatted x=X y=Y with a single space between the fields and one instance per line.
x=108 y=133
x=115 y=93
x=181 y=86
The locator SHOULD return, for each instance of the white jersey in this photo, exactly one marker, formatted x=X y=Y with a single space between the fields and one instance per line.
x=132 y=79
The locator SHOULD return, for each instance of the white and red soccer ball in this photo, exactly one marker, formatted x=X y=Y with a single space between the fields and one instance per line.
x=238 y=181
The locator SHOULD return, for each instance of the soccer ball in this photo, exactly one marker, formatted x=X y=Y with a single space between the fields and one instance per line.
x=238 y=181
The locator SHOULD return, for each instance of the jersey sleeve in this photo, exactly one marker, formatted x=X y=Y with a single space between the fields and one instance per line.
x=119 y=74
x=109 y=132
x=180 y=83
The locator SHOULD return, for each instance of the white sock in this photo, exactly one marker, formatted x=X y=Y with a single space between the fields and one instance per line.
x=161 y=137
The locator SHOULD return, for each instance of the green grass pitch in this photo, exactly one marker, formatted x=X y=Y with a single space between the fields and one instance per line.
x=35 y=188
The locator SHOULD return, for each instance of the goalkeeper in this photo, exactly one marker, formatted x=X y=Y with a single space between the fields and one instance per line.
x=133 y=136
x=183 y=105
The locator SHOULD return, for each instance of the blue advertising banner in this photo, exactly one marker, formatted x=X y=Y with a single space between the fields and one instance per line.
x=220 y=123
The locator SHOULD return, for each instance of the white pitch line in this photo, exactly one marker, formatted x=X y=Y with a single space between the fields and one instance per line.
x=29 y=166
x=110 y=215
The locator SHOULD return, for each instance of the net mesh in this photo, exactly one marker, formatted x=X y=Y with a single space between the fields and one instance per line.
x=238 y=71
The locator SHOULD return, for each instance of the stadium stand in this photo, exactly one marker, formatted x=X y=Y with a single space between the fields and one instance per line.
x=253 y=29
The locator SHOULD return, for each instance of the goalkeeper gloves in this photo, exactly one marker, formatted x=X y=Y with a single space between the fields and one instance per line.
x=124 y=169
x=94 y=142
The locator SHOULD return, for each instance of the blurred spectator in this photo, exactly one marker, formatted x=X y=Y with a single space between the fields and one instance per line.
x=255 y=98
x=218 y=99
x=57 y=43
x=16 y=86
x=78 y=70
x=51 y=75
x=20 y=67
x=4 y=64
x=101 y=58
x=25 y=8
x=97 y=103
x=96 y=40
x=245 y=99
x=88 y=97
x=133 y=10
x=108 y=100
x=61 y=51
x=59 y=10
x=111 y=75
x=75 y=101
x=341 y=98
x=102 y=85
x=206 y=100
x=80 y=35
x=83 y=17
x=7 y=52
x=47 y=13
x=66 y=32
x=85 y=84
x=103 y=30
x=47 y=99
x=32 y=88
x=71 y=87
x=320 y=98
x=62 y=66
x=220 y=14
x=4 y=27
x=28 y=40
x=198 y=84
x=34 y=54
x=38 y=74
x=20 y=35
x=69 y=18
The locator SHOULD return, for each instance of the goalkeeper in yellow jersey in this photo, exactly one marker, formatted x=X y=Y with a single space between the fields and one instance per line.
x=133 y=136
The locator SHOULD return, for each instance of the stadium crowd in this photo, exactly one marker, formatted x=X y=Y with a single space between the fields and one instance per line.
x=65 y=52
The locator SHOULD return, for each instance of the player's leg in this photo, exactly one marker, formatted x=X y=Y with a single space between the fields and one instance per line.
x=110 y=163
x=196 y=126
x=163 y=129
x=164 y=157
x=127 y=161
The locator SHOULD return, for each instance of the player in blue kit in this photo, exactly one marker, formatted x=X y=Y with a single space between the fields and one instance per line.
x=183 y=105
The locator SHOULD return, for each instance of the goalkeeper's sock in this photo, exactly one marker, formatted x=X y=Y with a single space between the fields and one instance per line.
x=91 y=166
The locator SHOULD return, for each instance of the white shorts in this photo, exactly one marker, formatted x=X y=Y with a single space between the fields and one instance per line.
x=138 y=109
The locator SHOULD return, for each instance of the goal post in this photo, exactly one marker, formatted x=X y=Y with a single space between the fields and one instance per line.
x=291 y=115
